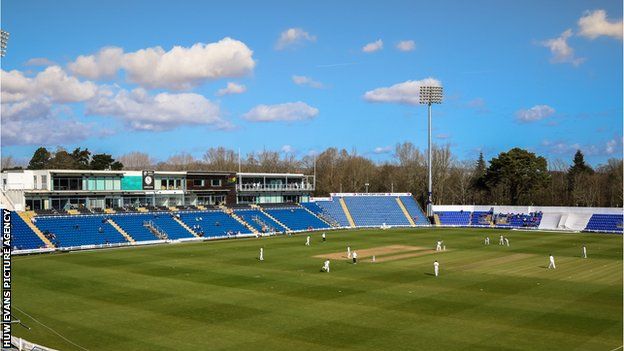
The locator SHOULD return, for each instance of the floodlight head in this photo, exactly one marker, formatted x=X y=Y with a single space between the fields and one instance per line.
x=431 y=95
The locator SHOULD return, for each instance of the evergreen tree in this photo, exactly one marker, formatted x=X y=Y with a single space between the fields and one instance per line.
x=41 y=159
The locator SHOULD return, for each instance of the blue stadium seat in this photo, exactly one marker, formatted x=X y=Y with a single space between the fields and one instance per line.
x=80 y=230
x=334 y=210
x=22 y=237
x=414 y=210
x=461 y=218
x=605 y=223
x=375 y=210
x=259 y=220
x=132 y=223
x=297 y=218
x=213 y=223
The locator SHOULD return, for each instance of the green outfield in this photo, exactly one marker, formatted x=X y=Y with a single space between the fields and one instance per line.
x=218 y=296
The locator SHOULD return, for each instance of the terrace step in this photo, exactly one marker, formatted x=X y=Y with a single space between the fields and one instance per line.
x=346 y=212
x=241 y=221
x=109 y=210
x=317 y=216
x=27 y=216
x=175 y=218
x=407 y=215
x=436 y=219
x=121 y=231
x=273 y=218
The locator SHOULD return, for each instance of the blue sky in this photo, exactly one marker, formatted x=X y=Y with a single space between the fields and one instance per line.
x=542 y=75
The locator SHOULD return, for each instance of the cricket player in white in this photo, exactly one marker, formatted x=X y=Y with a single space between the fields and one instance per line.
x=261 y=258
x=436 y=268
x=307 y=241
x=501 y=240
x=348 y=251
x=354 y=257
x=507 y=241
x=487 y=240
x=584 y=251
x=325 y=266
x=323 y=236
x=552 y=262
x=439 y=246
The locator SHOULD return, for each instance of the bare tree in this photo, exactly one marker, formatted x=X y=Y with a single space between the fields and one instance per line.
x=136 y=161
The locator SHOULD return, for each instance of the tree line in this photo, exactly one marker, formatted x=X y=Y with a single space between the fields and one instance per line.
x=513 y=177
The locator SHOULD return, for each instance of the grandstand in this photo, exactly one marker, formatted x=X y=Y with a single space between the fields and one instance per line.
x=119 y=210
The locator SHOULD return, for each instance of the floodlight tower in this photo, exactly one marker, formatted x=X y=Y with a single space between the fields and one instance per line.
x=4 y=38
x=430 y=95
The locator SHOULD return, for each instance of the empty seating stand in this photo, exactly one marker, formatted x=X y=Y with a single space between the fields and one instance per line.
x=79 y=230
x=258 y=220
x=297 y=218
x=212 y=223
x=132 y=223
x=22 y=237
x=605 y=223
x=375 y=210
x=459 y=218
x=334 y=210
x=414 y=210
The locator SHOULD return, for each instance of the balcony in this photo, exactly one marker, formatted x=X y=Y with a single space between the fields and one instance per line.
x=275 y=187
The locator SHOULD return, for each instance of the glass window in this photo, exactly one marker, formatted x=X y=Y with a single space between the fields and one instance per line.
x=198 y=182
x=35 y=182
x=117 y=184
x=108 y=183
x=215 y=182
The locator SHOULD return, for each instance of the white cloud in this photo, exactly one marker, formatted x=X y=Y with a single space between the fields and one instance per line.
x=561 y=51
x=382 y=150
x=232 y=88
x=163 y=111
x=30 y=110
x=404 y=93
x=178 y=68
x=290 y=111
x=104 y=64
x=535 y=113
x=52 y=84
x=288 y=149
x=442 y=136
x=595 y=24
x=39 y=61
x=374 y=46
x=406 y=45
x=307 y=81
x=293 y=36
x=608 y=148
x=49 y=130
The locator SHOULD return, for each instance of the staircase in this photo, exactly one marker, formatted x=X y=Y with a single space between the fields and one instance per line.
x=175 y=218
x=347 y=213
x=241 y=221
x=273 y=218
x=26 y=217
x=159 y=233
x=436 y=219
x=407 y=215
x=121 y=231
x=319 y=217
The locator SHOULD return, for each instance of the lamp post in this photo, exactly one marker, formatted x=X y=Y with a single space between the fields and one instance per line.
x=4 y=38
x=430 y=95
x=366 y=184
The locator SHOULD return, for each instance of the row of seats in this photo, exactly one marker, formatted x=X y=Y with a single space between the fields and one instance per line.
x=331 y=209
x=605 y=223
x=23 y=237
x=461 y=218
x=375 y=210
x=66 y=231
x=297 y=218
x=212 y=223
x=259 y=221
